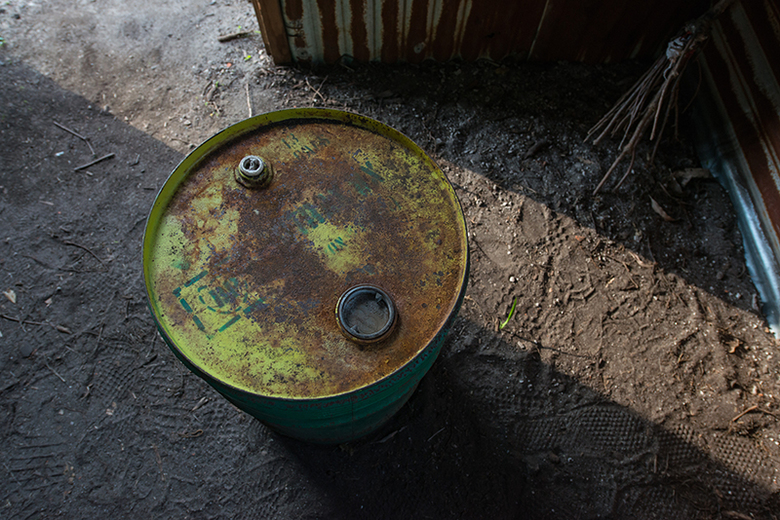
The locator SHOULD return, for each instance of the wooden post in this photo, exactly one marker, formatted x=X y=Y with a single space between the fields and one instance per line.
x=269 y=17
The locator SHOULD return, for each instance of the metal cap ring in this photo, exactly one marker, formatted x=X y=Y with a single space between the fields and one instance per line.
x=366 y=314
x=251 y=166
x=253 y=172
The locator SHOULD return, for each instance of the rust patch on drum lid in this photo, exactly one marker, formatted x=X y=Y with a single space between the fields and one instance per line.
x=244 y=281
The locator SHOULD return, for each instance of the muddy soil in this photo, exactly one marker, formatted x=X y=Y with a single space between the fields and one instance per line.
x=635 y=379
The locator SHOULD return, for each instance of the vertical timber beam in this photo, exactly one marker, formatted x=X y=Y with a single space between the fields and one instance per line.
x=269 y=17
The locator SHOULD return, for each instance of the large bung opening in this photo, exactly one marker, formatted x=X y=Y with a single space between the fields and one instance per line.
x=366 y=314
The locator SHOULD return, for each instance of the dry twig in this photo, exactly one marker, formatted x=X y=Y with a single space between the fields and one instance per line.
x=55 y=372
x=23 y=322
x=69 y=243
x=654 y=95
x=316 y=90
x=248 y=98
x=747 y=411
x=92 y=163
x=20 y=321
x=73 y=132
x=233 y=36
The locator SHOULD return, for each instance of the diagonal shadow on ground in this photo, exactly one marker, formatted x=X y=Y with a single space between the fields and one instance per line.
x=494 y=432
x=98 y=419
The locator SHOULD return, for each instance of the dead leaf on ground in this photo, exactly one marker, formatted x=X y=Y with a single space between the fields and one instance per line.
x=685 y=176
x=733 y=345
x=11 y=295
x=658 y=209
x=732 y=342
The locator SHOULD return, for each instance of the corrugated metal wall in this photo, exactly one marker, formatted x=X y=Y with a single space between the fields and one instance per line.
x=737 y=113
x=738 y=116
x=594 y=31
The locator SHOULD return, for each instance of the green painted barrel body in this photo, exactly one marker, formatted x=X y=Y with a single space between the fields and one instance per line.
x=307 y=264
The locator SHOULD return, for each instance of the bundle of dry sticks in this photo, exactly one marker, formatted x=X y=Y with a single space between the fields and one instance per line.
x=653 y=97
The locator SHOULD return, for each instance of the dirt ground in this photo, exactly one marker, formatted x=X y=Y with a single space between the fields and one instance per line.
x=636 y=378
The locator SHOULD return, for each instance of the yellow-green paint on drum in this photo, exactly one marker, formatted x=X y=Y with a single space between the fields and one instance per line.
x=243 y=282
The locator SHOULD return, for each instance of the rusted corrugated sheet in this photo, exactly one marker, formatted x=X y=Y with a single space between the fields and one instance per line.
x=739 y=131
x=594 y=31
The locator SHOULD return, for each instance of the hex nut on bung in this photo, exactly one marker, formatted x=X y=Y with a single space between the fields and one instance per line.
x=253 y=172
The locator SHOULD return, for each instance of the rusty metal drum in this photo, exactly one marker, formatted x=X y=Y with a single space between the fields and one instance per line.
x=307 y=264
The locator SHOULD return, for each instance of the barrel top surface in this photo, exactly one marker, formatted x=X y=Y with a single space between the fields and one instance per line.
x=244 y=282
